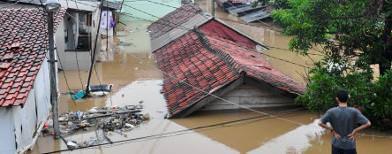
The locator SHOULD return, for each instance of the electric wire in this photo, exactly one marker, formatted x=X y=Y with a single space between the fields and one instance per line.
x=65 y=77
x=372 y=135
x=67 y=3
x=186 y=28
x=257 y=111
x=76 y=55
x=95 y=46
x=263 y=113
x=86 y=4
x=231 y=102
x=76 y=4
x=175 y=133
x=279 y=48
x=64 y=73
x=215 y=96
x=207 y=93
x=94 y=67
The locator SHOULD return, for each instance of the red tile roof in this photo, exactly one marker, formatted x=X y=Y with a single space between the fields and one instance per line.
x=173 y=20
x=254 y=64
x=186 y=61
x=208 y=59
x=23 y=45
x=208 y=63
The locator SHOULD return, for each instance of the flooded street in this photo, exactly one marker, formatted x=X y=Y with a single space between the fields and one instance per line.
x=135 y=77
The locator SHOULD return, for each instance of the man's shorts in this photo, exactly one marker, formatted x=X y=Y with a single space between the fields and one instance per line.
x=336 y=150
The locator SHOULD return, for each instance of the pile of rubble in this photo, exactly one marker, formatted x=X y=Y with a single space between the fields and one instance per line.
x=102 y=120
x=105 y=118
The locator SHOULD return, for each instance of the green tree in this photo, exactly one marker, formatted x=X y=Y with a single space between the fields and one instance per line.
x=345 y=28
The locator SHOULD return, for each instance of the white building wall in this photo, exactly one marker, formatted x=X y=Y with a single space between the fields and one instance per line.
x=42 y=93
x=68 y=58
x=7 y=135
x=20 y=125
x=24 y=122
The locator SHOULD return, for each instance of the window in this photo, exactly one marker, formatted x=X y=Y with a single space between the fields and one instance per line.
x=77 y=31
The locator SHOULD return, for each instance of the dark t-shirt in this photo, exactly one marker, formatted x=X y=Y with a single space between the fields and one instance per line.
x=344 y=120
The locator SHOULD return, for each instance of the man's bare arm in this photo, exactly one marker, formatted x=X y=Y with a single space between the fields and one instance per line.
x=356 y=130
x=337 y=136
x=325 y=126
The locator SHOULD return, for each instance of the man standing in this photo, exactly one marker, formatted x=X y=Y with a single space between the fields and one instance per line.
x=344 y=121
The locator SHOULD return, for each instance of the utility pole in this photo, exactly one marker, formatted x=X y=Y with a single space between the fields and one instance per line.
x=213 y=8
x=94 y=50
x=51 y=7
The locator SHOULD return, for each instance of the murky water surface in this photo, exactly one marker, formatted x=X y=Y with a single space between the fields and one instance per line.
x=135 y=78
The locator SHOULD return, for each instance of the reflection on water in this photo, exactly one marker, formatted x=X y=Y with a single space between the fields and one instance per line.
x=249 y=135
x=294 y=141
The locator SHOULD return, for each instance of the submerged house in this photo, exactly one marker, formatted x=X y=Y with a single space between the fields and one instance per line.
x=200 y=56
x=80 y=24
x=24 y=75
x=76 y=39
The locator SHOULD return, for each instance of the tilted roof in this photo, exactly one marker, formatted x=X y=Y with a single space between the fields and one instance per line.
x=197 y=63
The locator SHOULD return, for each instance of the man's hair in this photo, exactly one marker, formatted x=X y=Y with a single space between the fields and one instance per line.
x=342 y=95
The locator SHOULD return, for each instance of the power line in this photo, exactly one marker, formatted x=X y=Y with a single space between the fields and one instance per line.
x=175 y=133
x=65 y=78
x=94 y=49
x=76 y=4
x=207 y=93
x=94 y=67
x=301 y=65
x=199 y=90
x=87 y=4
x=222 y=98
x=67 y=3
x=167 y=22
x=163 y=4
x=95 y=46
x=76 y=54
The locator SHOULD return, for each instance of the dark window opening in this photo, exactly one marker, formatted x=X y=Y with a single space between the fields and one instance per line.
x=77 y=31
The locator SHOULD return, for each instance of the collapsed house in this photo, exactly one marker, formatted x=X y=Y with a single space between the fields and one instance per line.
x=24 y=75
x=200 y=55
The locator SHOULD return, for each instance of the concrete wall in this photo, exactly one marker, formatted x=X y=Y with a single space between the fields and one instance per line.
x=252 y=94
x=20 y=125
x=71 y=59
x=68 y=59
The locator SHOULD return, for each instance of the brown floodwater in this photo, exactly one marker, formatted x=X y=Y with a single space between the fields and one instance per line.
x=135 y=77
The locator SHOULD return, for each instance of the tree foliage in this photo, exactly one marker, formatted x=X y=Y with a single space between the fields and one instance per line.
x=353 y=34
x=373 y=98
x=345 y=28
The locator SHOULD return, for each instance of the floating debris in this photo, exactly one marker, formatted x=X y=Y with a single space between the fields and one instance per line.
x=78 y=95
x=107 y=120
x=100 y=90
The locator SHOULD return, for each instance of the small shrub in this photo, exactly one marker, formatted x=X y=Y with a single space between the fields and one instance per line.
x=381 y=108
x=374 y=99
